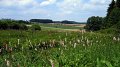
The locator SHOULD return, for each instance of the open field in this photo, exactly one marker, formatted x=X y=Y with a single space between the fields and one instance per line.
x=59 y=33
x=64 y=26
x=59 y=49
x=61 y=29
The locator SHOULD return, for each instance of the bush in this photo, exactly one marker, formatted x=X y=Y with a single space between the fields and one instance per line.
x=94 y=23
x=109 y=31
x=23 y=27
x=12 y=24
x=35 y=27
x=3 y=25
x=15 y=26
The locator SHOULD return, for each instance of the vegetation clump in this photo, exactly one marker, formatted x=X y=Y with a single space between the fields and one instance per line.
x=6 y=24
x=94 y=23
x=35 y=27
x=109 y=22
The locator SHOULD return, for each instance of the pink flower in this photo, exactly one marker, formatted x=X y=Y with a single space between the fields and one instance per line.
x=51 y=61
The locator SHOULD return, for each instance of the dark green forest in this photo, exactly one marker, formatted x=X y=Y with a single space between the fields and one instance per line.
x=110 y=22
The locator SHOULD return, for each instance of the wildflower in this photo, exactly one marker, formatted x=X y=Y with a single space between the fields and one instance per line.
x=50 y=45
x=35 y=49
x=5 y=60
x=70 y=42
x=22 y=48
x=118 y=39
x=18 y=65
x=51 y=61
x=62 y=43
x=82 y=37
x=75 y=45
x=30 y=42
x=87 y=41
x=0 y=50
x=91 y=44
x=12 y=56
x=45 y=48
x=65 y=46
x=97 y=41
x=43 y=43
x=78 y=41
x=83 y=44
x=18 y=41
x=59 y=48
x=5 y=46
x=83 y=31
x=65 y=39
x=114 y=38
x=8 y=63
x=61 y=51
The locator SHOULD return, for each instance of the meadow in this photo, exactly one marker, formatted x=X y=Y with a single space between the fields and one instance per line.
x=63 y=26
x=50 y=43
x=51 y=48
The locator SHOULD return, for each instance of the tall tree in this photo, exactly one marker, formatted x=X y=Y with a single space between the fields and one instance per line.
x=94 y=23
x=118 y=3
x=111 y=7
x=110 y=12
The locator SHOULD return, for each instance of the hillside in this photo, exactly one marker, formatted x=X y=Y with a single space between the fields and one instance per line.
x=51 y=21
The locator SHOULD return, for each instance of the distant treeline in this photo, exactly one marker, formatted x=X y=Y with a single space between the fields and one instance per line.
x=50 y=21
x=13 y=24
x=41 y=21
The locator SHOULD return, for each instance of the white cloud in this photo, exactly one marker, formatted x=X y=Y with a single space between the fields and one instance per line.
x=21 y=7
x=47 y=2
x=9 y=3
x=35 y=11
x=79 y=5
x=25 y=3
x=60 y=8
x=100 y=2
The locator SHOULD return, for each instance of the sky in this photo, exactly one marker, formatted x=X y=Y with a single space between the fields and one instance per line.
x=57 y=10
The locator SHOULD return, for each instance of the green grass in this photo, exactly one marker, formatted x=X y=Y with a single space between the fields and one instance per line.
x=78 y=50
x=60 y=26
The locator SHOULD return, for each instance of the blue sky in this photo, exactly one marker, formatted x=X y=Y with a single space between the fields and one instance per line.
x=75 y=10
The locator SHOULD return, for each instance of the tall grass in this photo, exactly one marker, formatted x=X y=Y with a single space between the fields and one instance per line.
x=58 y=49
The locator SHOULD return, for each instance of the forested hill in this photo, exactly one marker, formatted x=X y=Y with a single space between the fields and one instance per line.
x=51 y=21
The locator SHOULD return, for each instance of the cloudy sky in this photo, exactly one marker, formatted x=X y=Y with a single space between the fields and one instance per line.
x=76 y=10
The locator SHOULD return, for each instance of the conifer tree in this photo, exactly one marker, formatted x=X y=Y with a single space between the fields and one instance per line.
x=111 y=17
x=111 y=7
x=118 y=3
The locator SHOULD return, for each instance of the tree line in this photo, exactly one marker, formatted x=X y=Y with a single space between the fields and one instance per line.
x=10 y=24
x=13 y=24
x=112 y=19
x=51 y=21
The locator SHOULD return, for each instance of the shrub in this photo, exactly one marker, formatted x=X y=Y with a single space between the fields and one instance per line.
x=3 y=25
x=109 y=31
x=35 y=27
x=12 y=24
x=15 y=26
x=94 y=23
x=23 y=27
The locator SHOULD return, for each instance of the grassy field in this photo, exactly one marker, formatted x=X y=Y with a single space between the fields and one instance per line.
x=64 y=26
x=58 y=49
